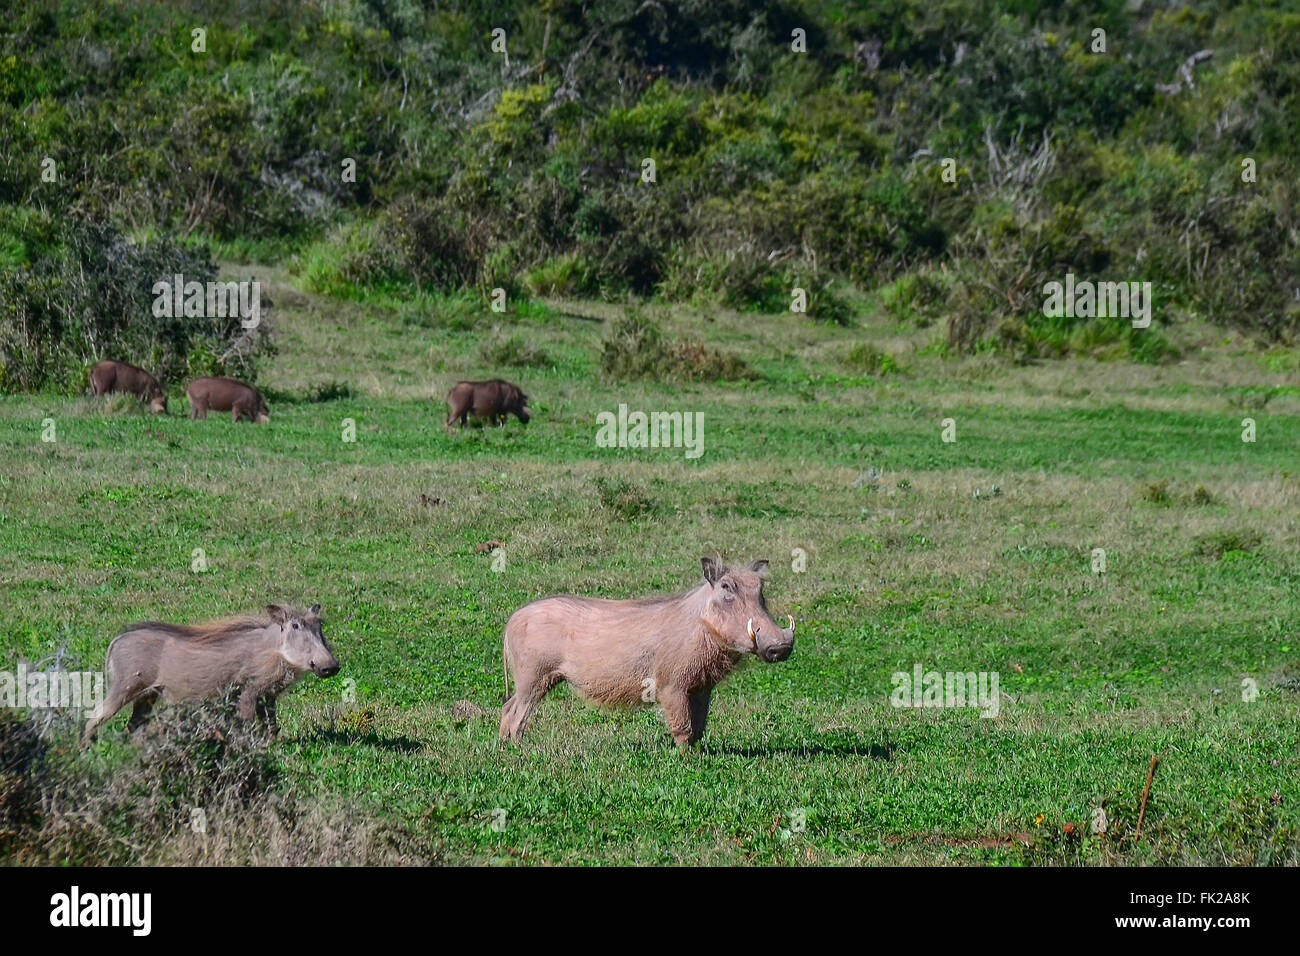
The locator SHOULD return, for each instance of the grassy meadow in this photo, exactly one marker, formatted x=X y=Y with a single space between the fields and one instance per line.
x=970 y=555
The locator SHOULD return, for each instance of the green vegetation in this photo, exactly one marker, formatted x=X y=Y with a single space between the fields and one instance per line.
x=773 y=169
x=906 y=564
x=652 y=186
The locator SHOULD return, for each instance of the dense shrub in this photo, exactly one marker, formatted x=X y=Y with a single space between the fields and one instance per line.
x=773 y=168
x=636 y=348
x=196 y=786
x=514 y=351
x=86 y=294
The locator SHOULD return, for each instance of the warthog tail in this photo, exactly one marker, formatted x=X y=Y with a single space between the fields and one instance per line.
x=505 y=671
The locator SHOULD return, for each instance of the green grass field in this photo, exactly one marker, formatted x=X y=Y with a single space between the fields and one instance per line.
x=973 y=555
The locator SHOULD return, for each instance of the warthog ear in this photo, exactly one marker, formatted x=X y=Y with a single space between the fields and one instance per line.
x=713 y=569
x=278 y=614
x=760 y=567
x=315 y=610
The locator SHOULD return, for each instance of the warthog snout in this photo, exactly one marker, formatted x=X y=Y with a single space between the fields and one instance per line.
x=302 y=641
x=772 y=649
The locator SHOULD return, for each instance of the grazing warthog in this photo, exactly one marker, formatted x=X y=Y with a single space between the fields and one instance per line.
x=110 y=376
x=492 y=399
x=264 y=655
x=227 y=395
x=667 y=650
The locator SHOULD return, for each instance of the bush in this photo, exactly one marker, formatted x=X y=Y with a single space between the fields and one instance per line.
x=89 y=296
x=515 y=352
x=331 y=391
x=1157 y=492
x=622 y=497
x=569 y=275
x=1219 y=543
x=868 y=359
x=196 y=786
x=22 y=754
x=914 y=299
x=635 y=348
x=430 y=244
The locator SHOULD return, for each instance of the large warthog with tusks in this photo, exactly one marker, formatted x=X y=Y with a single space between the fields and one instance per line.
x=493 y=400
x=264 y=655
x=111 y=376
x=220 y=394
x=667 y=650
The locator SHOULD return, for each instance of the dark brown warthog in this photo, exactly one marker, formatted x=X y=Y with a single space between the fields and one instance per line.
x=227 y=395
x=110 y=376
x=493 y=399
x=667 y=650
x=263 y=655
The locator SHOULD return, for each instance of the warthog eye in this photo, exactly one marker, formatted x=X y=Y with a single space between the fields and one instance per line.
x=295 y=625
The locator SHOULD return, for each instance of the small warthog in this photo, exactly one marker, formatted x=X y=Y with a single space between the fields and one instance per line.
x=492 y=399
x=263 y=655
x=667 y=650
x=227 y=395
x=110 y=376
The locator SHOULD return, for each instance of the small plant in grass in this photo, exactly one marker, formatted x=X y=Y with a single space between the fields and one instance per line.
x=515 y=352
x=623 y=497
x=330 y=392
x=1217 y=544
x=1157 y=492
x=637 y=349
x=914 y=299
x=870 y=360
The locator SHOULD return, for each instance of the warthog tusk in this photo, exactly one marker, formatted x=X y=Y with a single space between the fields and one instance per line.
x=790 y=617
x=749 y=629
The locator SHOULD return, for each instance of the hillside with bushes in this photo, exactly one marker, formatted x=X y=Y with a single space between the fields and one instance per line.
x=506 y=145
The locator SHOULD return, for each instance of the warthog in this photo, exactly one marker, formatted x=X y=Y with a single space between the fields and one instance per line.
x=492 y=399
x=110 y=376
x=263 y=655
x=227 y=395
x=667 y=650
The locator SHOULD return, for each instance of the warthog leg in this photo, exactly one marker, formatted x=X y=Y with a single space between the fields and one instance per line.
x=518 y=710
x=120 y=693
x=266 y=710
x=140 y=713
x=699 y=702
x=677 y=713
x=686 y=714
x=251 y=702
